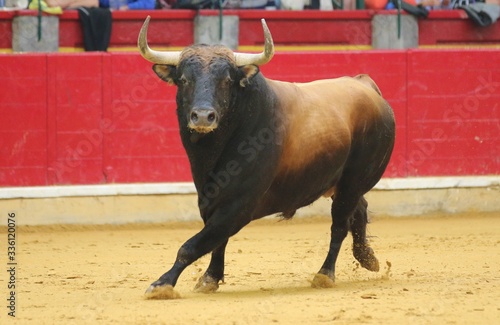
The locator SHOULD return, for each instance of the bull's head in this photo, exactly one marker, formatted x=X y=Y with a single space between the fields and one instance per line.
x=207 y=77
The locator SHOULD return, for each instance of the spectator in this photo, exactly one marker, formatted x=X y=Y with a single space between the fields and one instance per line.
x=53 y=10
x=435 y=4
x=127 y=4
x=66 y=4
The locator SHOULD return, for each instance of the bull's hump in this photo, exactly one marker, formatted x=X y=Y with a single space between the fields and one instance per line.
x=367 y=81
x=320 y=118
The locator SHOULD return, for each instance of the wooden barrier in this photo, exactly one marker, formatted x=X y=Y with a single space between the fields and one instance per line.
x=94 y=118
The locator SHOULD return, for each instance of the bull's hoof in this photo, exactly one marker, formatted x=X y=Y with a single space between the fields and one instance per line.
x=206 y=284
x=161 y=293
x=323 y=281
x=366 y=257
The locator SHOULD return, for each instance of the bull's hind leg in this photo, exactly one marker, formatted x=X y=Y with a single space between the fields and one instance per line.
x=361 y=249
x=209 y=281
x=343 y=207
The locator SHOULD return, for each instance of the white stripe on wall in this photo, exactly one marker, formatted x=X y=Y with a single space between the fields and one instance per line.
x=188 y=188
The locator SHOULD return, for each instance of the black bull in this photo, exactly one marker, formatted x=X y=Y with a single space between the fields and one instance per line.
x=258 y=147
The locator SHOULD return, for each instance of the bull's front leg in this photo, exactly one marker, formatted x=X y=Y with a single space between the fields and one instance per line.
x=214 y=235
x=209 y=281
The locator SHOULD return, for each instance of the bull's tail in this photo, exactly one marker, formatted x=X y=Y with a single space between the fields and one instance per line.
x=367 y=81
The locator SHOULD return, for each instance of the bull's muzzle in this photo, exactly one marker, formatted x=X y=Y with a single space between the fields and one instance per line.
x=203 y=120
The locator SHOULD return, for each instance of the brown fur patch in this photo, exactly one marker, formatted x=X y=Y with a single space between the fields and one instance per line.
x=321 y=117
x=313 y=126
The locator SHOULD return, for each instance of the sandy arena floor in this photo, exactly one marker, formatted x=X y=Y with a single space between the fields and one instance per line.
x=444 y=270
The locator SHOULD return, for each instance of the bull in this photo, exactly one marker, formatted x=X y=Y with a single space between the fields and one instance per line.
x=259 y=147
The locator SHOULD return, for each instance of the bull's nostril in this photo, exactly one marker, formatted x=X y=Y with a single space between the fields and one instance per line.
x=194 y=117
x=211 y=117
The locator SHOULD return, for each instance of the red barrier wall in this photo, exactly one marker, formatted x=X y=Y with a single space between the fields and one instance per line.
x=106 y=118
x=23 y=121
x=453 y=113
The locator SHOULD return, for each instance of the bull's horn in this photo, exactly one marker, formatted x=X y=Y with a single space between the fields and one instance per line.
x=168 y=57
x=261 y=58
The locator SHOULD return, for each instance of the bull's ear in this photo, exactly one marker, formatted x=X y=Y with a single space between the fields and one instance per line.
x=248 y=72
x=165 y=72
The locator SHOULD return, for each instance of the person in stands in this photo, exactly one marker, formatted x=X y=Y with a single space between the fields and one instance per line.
x=126 y=4
x=129 y=4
